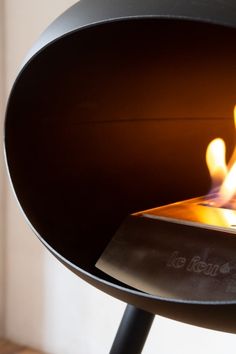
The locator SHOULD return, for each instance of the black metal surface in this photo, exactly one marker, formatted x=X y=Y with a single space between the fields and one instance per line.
x=133 y=331
x=89 y=13
x=173 y=261
x=94 y=118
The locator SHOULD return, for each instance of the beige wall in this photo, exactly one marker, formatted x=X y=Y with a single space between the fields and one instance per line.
x=47 y=306
x=2 y=174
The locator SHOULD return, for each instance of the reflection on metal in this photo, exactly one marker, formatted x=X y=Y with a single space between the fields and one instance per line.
x=195 y=212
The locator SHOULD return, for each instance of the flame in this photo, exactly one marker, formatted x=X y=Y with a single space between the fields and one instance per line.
x=223 y=176
x=215 y=158
x=228 y=188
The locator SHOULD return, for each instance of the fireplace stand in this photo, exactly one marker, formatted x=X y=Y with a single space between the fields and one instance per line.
x=133 y=331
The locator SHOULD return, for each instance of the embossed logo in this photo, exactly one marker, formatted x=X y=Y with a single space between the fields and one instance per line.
x=197 y=265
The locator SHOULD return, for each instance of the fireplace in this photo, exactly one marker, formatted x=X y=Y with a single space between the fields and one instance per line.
x=111 y=114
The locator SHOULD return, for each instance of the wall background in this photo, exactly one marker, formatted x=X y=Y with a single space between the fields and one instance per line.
x=2 y=174
x=46 y=306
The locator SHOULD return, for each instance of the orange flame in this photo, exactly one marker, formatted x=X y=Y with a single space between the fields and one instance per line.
x=223 y=176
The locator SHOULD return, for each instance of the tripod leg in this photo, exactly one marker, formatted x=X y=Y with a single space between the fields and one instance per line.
x=133 y=331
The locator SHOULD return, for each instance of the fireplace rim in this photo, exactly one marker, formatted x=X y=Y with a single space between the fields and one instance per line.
x=39 y=48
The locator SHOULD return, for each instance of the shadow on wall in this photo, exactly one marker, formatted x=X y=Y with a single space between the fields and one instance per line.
x=25 y=280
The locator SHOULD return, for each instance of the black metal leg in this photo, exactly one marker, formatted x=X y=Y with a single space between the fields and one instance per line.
x=133 y=331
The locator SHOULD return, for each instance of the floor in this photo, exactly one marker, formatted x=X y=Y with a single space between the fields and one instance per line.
x=7 y=347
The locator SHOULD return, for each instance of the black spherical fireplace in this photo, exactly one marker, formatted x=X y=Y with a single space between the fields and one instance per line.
x=111 y=114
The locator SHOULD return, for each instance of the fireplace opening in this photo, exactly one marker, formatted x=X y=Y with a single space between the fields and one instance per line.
x=114 y=119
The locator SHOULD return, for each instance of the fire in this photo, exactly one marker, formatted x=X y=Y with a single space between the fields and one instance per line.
x=223 y=175
x=215 y=157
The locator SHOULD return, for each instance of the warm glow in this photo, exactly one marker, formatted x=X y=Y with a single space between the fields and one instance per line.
x=223 y=177
x=215 y=158
x=235 y=116
x=228 y=188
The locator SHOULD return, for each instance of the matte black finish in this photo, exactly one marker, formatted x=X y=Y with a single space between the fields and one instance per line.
x=89 y=13
x=133 y=331
x=94 y=119
x=172 y=260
